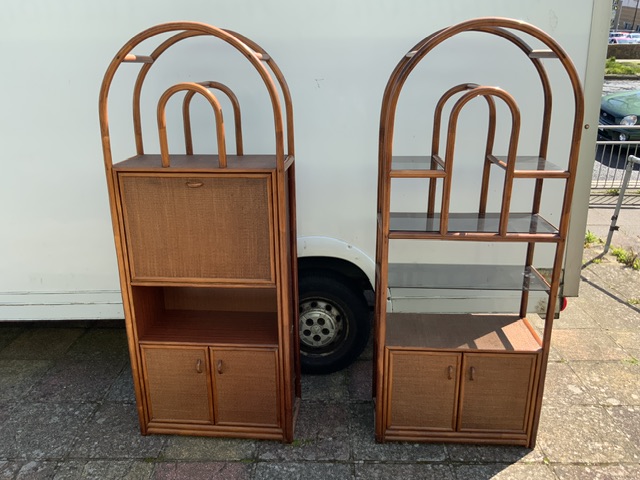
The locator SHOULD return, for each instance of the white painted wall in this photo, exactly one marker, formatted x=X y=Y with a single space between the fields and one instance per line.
x=57 y=259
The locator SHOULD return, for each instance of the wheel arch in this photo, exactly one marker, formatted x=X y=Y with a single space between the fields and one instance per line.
x=338 y=257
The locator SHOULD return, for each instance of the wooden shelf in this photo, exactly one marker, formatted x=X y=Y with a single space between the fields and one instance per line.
x=485 y=332
x=521 y=226
x=466 y=277
x=201 y=163
x=212 y=327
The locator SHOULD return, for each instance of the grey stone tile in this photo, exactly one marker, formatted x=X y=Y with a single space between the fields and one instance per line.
x=564 y=387
x=209 y=449
x=586 y=344
x=102 y=344
x=574 y=316
x=203 y=471
x=582 y=434
x=39 y=431
x=493 y=454
x=322 y=434
x=77 y=380
x=41 y=343
x=8 y=470
x=18 y=376
x=629 y=341
x=103 y=470
x=114 y=432
x=385 y=471
x=365 y=448
x=610 y=383
x=360 y=375
x=122 y=390
x=302 y=471
x=8 y=333
x=34 y=470
x=332 y=388
x=597 y=472
x=498 y=471
x=609 y=309
x=627 y=421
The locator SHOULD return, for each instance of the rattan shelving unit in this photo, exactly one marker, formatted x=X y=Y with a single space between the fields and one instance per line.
x=473 y=377
x=206 y=250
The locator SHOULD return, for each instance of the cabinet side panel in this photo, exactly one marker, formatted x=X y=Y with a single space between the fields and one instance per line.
x=423 y=390
x=177 y=384
x=208 y=227
x=246 y=387
x=497 y=392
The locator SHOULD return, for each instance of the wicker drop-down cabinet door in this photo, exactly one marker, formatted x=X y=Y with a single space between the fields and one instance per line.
x=206 y=248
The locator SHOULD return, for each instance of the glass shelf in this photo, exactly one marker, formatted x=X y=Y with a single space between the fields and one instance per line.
x=466 y=277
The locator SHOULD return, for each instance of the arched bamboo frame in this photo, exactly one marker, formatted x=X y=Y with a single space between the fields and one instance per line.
x=186 y=115
x=192 y=89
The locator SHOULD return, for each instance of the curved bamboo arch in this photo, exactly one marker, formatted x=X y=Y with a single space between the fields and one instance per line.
x=188 y=30
x=494 y=26
x=193 y=88
x=186 y=115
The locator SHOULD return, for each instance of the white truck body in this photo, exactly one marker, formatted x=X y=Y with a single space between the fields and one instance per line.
x=57 y=259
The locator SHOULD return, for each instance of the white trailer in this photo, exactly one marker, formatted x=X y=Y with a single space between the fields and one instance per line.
x=58 y=258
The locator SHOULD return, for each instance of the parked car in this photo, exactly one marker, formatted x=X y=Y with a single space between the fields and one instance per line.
x=620 y=108
x=634 y=37
x=619 y=37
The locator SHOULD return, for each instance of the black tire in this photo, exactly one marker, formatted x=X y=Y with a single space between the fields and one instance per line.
x=334 y=322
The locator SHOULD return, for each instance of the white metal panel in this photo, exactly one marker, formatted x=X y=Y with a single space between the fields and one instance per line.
x=336 y=56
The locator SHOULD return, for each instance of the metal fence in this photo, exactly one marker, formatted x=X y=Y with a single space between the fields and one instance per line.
x=609 y=169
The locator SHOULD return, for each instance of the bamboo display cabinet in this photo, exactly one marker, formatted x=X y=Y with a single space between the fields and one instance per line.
x=471 y=377
x=206 y=248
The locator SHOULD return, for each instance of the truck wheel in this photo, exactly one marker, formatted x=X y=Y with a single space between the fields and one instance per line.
x=334 y=323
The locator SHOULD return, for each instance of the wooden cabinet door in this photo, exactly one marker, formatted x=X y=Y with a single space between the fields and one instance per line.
x=210 y=227
x=246 y=387
x=177 y=382
x=423 y=390
x=496 y=391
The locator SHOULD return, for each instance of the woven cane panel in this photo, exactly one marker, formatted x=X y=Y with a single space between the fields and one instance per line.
x=499 y=395
x=217 y=229
x=246 y=387
x=423 y=390
x=177 y=385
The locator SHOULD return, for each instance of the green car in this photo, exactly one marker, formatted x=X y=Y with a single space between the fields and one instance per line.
x=620 y=108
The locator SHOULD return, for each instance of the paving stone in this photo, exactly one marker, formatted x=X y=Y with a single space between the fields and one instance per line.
x=493 y=454
x=563 y=387
x=385 y=471
x=39 y=431
x=41 y=343
x=8 y=469
x=516 y=471
x=574 y=316
x=610 y=383
x=586 y=344
x=627 y=420
x=18 y=376
x=302 y=471
x=203 y=471
x=114 y=432
x=360 y=376
x=210 y=449
x=8 y=333
x=77 y=380
x=35 y=470
x=103 y=470
x=322 y=434
x=122 y=390
x=332 y=388
x=365 y=448
x=582 y=434
x=102 y=344
x=610 y=310
x=597 y=472
x=629 y=341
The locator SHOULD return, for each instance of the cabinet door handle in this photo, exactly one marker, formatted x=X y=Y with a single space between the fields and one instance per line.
x=192 y=184
x=472 y=373
x=450 y=376
x=199 y=366
x=219 y=366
